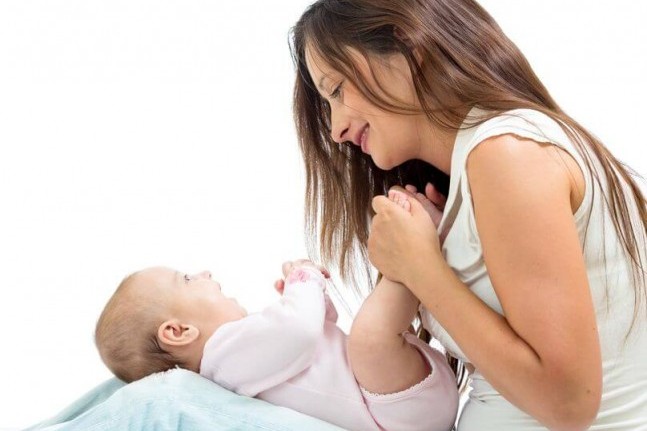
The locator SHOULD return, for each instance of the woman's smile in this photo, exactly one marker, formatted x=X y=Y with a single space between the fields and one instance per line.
x=363 y=140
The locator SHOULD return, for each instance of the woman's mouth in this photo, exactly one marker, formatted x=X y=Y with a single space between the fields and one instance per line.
x=363 y=140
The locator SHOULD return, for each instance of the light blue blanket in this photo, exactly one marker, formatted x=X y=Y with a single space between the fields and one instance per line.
x=175 y=400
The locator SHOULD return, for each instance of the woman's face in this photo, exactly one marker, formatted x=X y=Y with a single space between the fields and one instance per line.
x=390 y=138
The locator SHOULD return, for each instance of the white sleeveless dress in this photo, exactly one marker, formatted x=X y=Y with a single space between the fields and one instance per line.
x=624 y=397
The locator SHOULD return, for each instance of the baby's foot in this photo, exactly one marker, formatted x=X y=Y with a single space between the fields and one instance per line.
x=400 y=198
x=437 y=199
x=432 y=201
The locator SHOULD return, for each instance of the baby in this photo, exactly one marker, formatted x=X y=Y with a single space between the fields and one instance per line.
x=292 y=353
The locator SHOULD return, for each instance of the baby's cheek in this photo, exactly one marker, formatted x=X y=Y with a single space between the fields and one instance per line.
x=298 y=275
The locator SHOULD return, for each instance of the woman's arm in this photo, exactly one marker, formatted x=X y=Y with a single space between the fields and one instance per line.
x=544 y=355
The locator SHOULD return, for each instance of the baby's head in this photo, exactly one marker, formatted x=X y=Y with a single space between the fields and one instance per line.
x=158 y=319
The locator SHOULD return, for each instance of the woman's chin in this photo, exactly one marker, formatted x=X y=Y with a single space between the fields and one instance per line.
x=380 y=163
x=384 y=164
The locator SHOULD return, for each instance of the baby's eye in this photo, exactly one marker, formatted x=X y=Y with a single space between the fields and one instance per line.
x=187 y=278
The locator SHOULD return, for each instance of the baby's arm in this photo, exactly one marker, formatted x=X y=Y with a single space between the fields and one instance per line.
x=382 y=360
x=264 y=349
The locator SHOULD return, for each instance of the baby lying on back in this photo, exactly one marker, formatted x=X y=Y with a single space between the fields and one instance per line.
x=292 y=353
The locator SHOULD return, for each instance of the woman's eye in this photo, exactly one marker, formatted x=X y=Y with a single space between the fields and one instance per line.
x=336 y=92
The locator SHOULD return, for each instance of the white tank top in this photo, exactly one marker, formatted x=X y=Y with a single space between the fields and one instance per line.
x=624 y=397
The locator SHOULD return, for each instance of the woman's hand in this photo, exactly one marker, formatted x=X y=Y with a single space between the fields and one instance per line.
x=403 y=235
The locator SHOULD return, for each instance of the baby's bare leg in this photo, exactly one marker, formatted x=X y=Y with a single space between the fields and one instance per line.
x=382 y=360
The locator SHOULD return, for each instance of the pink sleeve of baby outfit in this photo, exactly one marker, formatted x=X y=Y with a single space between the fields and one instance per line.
x=264 y=349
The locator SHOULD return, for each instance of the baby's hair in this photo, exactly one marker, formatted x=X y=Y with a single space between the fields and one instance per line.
x=126 y=333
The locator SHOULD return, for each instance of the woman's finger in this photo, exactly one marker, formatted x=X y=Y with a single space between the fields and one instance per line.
x=435 y=196
x=380 y=203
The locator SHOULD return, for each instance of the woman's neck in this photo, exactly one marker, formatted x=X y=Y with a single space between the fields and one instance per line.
x=437 y=144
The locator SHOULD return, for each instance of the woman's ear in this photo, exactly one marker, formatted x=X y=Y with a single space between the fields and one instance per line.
x=174 y=333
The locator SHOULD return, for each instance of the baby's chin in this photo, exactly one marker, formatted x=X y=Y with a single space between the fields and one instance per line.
x=243 y=310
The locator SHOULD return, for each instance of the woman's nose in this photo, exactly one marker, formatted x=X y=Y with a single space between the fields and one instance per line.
x=340 y=126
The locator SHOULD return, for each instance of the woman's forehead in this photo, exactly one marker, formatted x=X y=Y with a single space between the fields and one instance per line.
x=318 y=68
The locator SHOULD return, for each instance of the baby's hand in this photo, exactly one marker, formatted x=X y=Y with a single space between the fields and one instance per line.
x=289 y=272
x=290 y=266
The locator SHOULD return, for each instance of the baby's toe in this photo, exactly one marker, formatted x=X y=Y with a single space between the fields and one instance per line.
x=400 y=199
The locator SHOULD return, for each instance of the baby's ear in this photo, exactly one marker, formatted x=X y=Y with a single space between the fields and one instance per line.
x=175 y=333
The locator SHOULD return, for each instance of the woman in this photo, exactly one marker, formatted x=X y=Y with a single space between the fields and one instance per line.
x=535 y=276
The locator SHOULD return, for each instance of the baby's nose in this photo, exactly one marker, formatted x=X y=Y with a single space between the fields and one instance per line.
x=204 y=274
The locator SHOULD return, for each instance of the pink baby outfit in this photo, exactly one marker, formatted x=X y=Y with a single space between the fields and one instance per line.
x=293 y=354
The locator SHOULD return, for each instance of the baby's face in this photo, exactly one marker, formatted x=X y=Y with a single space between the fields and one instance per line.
x=195 y=299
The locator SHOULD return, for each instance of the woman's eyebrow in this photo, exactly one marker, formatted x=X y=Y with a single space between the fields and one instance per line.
x=321 y=82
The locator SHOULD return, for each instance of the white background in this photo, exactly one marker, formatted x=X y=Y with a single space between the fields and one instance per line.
x=137 y=133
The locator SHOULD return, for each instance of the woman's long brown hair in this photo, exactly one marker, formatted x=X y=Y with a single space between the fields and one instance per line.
x=466 y=60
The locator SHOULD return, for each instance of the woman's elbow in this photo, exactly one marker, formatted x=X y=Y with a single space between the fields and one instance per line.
x=575 y=421
x=576 y=413
x=571 y=389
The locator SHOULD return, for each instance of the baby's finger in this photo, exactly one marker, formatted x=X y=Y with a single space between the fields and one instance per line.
x=324 y=271
x=279 y=285
x=286 y=268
